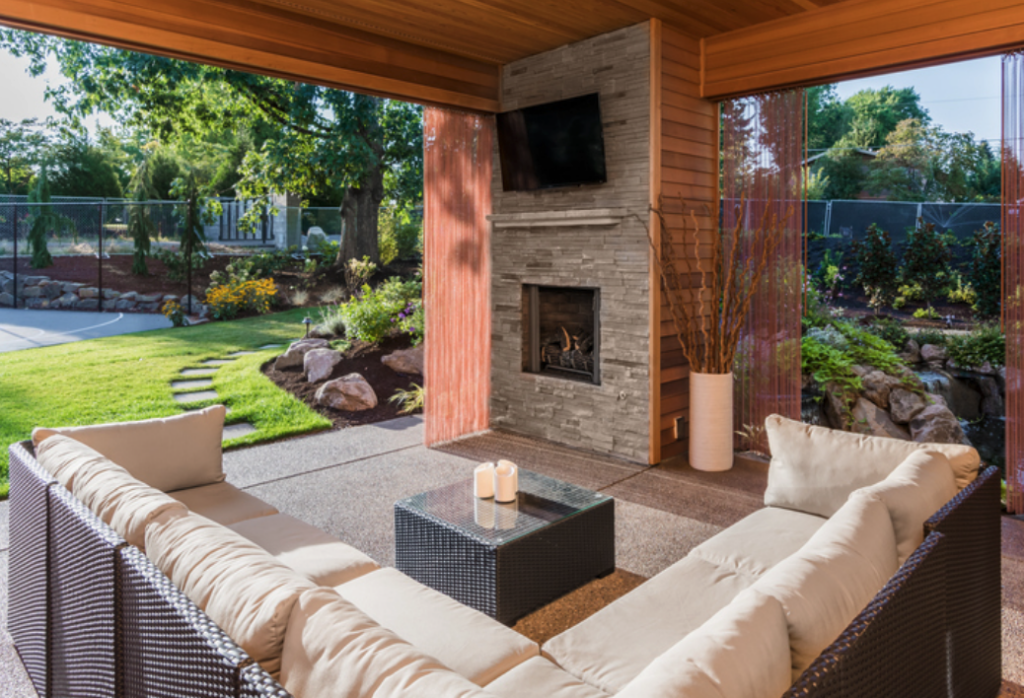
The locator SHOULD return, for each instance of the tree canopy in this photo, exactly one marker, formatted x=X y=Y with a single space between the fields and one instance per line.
x=21 y=146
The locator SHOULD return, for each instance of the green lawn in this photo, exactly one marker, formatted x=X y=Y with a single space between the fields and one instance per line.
x=118 y=379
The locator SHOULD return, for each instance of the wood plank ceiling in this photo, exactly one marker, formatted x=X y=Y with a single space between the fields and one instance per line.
x=446 y=52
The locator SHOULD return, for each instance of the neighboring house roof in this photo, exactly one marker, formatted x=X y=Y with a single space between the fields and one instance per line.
x=860 y=151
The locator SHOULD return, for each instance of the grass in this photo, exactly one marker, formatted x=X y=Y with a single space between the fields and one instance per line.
x=124 y=378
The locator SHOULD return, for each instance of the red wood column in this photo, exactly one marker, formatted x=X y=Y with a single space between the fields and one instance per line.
x=457 y=153
x=1013 y=274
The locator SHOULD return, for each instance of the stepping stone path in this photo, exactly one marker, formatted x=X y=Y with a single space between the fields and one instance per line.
x=195 y=378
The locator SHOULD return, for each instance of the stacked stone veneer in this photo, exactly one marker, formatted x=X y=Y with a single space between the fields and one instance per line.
x=610 y=253
x=42 y=292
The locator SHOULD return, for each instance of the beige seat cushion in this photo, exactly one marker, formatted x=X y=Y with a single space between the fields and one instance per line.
x=65 y=459
x=223 y=503
x=610 y=648
x=815 y=469
x=334 y=650
x=318 y=556
x=760 y=541
x=241 y=587
x=541 y=677
x=463 y=639
x=833 y=577
x=169 y=453
x=915 y=490
x=741 y=652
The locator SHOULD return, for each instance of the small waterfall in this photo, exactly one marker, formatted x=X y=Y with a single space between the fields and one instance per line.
x=936 y=383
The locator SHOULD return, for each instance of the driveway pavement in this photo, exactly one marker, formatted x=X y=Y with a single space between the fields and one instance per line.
x=27 y=329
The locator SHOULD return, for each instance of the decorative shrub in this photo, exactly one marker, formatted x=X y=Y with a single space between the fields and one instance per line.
x=228 y=300
x=890 y=330
x=173 y=311
x=410 y=320
x=961 y=291
x=877 y=263
x=985 y=272
x=372 y=316
x=986 y=343
x=928 y=313
x=926 y=260
x=400 y=236
x=177 y=265
x=264 y=265
x=358 y=272
x=409 y=400
x=935 y=337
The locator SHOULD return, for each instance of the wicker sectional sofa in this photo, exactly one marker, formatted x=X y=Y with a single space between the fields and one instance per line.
x=137 y=571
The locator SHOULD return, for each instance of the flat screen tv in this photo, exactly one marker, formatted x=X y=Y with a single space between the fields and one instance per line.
x=557 y=144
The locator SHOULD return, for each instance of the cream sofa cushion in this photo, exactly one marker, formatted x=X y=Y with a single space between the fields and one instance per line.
x=168 y=453
x=65 y=459
x=915 y=490
x=760 y=541
x=334 y=650
x=316 y=555
x=463 y=639
x=610 y=648
x=815 y=470
x=241 y=587
x=223 y=503
x=540 y=677
x=833 y=577
x=741 y=652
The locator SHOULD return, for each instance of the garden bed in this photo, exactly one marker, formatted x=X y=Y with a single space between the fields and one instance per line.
x=363 y=358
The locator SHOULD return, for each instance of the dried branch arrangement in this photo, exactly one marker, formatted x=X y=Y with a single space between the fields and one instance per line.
x=708 y=317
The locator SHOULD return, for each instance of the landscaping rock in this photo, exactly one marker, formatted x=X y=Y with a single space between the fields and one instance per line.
x=168 y=298
x=6 y=300
x=936 y=399
x=911 y=352
x=872 y=419
x=110 y=294
x=130 y=296
x=51 y=289
x=992 y=400
x=8 y=285
x=37 y=303
x=88 y=304
x=350 y=393
x=32 y=292
x=296 y=353
x=315 y=237
x=936 y=424
x=149 y=298
x=319 y=363
x=933 y=353
x=861 y=370
x=149 y=307
x=835 y=408
x=35 y=280
x=904 y=405
x=407 y=361
x=88 y=292
x=877 y=386
x=68 y=300
x=914 y=379
x=123 y=304
x=70 y=287
x=4 y=274
x=109 y=304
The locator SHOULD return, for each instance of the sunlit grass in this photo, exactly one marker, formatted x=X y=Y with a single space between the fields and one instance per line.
x=124 y=378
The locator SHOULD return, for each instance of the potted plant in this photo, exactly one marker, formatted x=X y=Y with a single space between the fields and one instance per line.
x=709 y=317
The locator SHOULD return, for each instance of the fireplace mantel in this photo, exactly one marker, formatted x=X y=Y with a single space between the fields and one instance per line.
x=560 y=219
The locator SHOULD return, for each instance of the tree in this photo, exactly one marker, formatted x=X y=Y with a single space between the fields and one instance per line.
x=828 y=118
x=78 y=168
x=308 y=140
x=21 y=145
x=140 y=219
x=876 y=113
x=877 y=264
x=926 y=260
x=44 y=221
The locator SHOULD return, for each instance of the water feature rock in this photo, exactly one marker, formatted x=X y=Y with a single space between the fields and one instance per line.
x=960 y=394
x=835 y=407
x=936 y=399
x=905 y=405
x=350 y=393
x=911 y=352
x=936 y=424
x=992 y=400
x=407 y=361
x=319 y=363
x=295 y=355
x=932 y=353
x=861 y=370
x=877 y=386
x=872 y=419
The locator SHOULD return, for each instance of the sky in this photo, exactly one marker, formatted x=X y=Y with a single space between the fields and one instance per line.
x=960 y=96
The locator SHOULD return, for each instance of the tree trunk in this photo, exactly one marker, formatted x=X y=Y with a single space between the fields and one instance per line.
x=359 y=211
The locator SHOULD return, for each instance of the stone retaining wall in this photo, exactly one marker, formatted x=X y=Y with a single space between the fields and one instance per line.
x=42 y=292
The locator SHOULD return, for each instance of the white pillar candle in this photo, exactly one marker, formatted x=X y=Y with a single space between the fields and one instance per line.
x=505 y=482
x=483 y=513
x=483 y=480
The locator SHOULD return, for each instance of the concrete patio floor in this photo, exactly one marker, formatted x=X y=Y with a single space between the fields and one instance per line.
x=346 y=482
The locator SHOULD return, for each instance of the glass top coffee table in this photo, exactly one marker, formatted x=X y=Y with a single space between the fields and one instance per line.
x=506 y=560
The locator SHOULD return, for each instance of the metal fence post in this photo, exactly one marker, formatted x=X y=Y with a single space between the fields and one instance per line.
x=99 y=257
x=188 y=257
x=15 y=294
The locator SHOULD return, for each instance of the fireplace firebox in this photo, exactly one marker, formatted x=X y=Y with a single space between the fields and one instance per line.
x=562 y=332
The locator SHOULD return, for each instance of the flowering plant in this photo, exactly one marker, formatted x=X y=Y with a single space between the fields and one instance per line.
x=227 y=300
x=410 y=319
x=173 y=311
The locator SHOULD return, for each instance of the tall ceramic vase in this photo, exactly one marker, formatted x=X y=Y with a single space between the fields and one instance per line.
x=711 y=428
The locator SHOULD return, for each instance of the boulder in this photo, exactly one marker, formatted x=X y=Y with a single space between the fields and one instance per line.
x=88 y=304
x=904 y=405
x=877 y=386
x=992 y=400
x=318 y=364
x=110 y=304
x=123 y=304
x=861 y=370
x=88 y=292
x=110 y=294
x=32 y=292
x=70 y=287
x=350 y=393
x=872 y=419
x=315 y=238
x=168 y=298
x=130 y=296
x=8 y=285
x=295 y=355
x=835 y=407
x=6 y=300
x=933 y=353
x=148 y=307
x=51 y=289
x=911 y=352
x=35 y=280
x=149 y=297
x=934 y=399
x=37 y=303
x=68 y=300
x=407 y=361
x=936 y=424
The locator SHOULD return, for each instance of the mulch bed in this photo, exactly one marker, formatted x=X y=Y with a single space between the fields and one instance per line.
x=362 y=358
x=856 y=305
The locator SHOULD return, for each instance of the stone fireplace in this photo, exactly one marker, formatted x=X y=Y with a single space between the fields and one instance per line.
x=562 y=332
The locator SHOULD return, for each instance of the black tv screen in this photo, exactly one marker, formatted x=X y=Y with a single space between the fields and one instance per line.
x=552 y=145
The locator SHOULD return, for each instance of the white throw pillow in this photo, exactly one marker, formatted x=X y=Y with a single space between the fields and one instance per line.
x=740 y=652
x=915 y=490
x=814 y=469
x=169 y=453
x=824 y=585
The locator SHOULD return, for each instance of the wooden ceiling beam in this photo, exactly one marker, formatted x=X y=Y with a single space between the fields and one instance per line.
x=287 y=45
x=856 y=38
